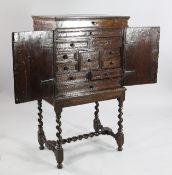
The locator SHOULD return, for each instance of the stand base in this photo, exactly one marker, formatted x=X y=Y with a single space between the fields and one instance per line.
x=56 y=146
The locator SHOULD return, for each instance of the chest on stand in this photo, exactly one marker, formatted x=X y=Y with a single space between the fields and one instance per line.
x=71 y=61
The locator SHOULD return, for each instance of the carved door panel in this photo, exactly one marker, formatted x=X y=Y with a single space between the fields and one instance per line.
x=141 y=55
x=32 y=65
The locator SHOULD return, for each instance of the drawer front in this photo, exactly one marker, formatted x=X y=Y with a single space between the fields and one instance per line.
x=71 y=45
x=65 y=67
x=106 y=74
x=107 y=42
x=89 y=60
x=111 y=53
x=95 y=75
x=92 y=23
x=71 y=76
x=111 y=63
x=81 y=86
x=90 y=32
x=110 y=59
x=66 y=56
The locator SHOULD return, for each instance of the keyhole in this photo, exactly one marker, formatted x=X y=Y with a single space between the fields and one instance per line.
x=72 y=44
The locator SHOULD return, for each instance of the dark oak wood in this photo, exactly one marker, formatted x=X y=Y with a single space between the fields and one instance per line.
x=74 y=60
x=53 y=22
x=96 y=123
x=58 y=150
x=141 y=55
x=120 y=135
x=32 y=64
x=41 y=135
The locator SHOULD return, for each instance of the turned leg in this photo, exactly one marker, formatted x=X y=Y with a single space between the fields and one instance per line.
x=96 y=123
x=119 y=134
x=58 y=151
x=41 y=135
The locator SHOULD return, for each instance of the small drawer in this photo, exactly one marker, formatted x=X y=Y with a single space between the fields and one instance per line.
x=106 y=74
x=87 y=32
x=94 y=22
x=70 y=66
x=105 y=32
x=71 y=45
x=89 y=60
x=66 y=56
x=111 y=63
x=110 y=53
x=106 y=42
x=71 y=77
x=105 y=84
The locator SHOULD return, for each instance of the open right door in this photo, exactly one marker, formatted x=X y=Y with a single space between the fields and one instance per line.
x=141 y=55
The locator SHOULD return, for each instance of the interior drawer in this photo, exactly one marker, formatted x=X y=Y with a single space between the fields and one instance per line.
x=106 y=74
x=107 y=42
x=66 y=56
x=89 y=60
x=71 y=76
x=71 y=45
x=111 y=63
x=65 y=67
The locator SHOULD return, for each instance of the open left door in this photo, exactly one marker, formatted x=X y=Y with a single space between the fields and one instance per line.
x=141 y=55
x=32 y=65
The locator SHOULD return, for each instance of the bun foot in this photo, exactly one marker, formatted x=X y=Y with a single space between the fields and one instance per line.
x=120 y=148
x=60 y=166
x=41 y=147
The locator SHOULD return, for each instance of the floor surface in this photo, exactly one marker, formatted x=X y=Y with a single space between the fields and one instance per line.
x=147 y=128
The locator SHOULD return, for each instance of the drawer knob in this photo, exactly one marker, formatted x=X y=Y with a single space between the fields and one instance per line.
x=91 y=33
x=71 y=78
x=110 y=53
x=65 y=56
x=89 y=60
x=72 y=44
x=111 y=63
x=66 y=68
x=91 y=86
x=94 y=23
x=106 y=42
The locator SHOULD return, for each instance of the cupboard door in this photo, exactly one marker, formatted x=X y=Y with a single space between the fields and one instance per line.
x=141 y=55
x=32 y=65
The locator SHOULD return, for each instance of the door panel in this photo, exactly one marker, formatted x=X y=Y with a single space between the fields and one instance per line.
x=32 y=65
x=141 y=55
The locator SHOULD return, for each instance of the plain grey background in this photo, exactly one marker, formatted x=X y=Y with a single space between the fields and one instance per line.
x=147 y=109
